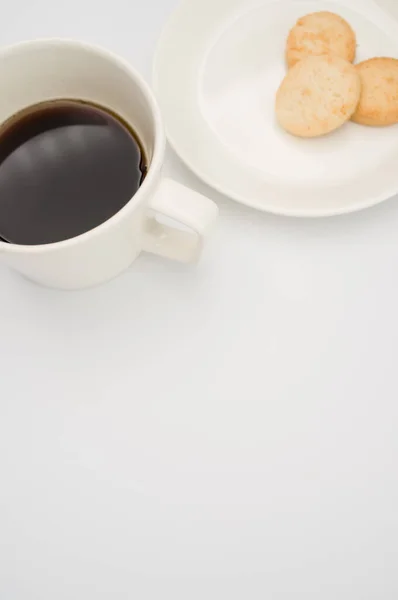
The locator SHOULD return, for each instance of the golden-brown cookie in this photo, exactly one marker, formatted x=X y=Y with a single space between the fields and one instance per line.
x=318 y=34
x=318 y=95
x=378 y=105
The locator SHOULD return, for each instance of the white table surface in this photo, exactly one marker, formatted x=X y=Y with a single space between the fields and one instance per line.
x=222 y=432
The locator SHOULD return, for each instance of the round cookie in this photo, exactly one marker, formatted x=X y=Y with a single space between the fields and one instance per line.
x=318 y=34
x=378 y=105
x=318 y=95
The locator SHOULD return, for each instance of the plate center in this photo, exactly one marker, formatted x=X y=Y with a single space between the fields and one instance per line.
x=239 y=80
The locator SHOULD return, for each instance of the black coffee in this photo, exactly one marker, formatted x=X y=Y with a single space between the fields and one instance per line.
x=65 y=167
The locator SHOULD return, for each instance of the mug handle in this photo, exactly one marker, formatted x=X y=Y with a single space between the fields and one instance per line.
x=194 y=212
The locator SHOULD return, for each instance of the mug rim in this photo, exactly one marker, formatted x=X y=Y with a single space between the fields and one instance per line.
x=158 y=147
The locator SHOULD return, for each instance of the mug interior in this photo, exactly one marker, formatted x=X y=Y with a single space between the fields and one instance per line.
x=37 y=71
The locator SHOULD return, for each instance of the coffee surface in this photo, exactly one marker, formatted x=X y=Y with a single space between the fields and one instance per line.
x=65 y=167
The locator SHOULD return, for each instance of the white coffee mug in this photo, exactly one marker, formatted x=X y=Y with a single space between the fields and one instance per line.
x=41 y=70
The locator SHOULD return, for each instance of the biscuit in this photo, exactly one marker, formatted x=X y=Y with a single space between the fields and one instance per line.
x=378 y=105
x=318 y=34
x=318 y=95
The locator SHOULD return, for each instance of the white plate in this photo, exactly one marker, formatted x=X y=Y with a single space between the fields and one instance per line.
x=217 y=68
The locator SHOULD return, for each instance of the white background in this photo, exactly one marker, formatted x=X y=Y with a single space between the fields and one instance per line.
x=221 y=432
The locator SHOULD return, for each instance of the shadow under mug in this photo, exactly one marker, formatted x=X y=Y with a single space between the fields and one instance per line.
x=36 y=71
